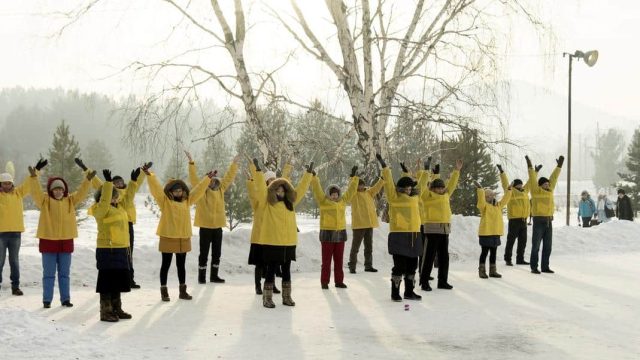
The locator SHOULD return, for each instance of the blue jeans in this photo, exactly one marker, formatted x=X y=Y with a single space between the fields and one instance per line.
x=542 y=231
x=51 y=261
x=10 y=241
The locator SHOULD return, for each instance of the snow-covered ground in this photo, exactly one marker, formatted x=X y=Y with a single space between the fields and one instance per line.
x=588 y=309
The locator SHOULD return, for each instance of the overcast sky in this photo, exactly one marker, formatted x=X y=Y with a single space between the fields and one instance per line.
x=113 y=36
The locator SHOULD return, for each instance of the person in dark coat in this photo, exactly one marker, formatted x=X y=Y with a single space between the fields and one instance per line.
x=624 y=211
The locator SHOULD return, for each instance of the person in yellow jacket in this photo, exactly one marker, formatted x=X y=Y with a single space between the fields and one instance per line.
x=363 y=220
x=57 y=228
x=211 y=217
x=491 y=227
x=518 y=210
x=436 y=198
x=126 y=198
x=278 y=232
x=11 y=226
x=542 y=209
x=333 y=227
x=404 y=241
x=112 y=250
x=174 y=229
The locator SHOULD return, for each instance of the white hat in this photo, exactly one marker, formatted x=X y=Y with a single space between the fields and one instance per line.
x=269 y=175
x=6 y=177
x=57 y=183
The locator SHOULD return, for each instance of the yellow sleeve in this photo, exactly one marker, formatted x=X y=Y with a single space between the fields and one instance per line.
x=24 y=188
x=482 y=202
x=155 y=188
x=198 y=191
x=96 y=183
x=81 y=194
x=453 y=181
x=36 y=191
x=132 y=189
x=286 y=171
x=102 y=207
x=424 y=177
x=302 y=187
x=251 y=190
x=505 y=199
x=375 y=189
x=193 y=174
x=504 y=181
x=351 y=190
x=229 y=176
x=260 y=186
x=318 y=194
x=553 y=179
x=141 y=178
x=389 y=186
x=532 y=180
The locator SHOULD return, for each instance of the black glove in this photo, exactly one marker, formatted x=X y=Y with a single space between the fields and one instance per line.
x=91 y=174
x=134 y=174
x=560 y=161
x=538 y=167
x=427 y=164
x=256 y=164
x=41 y=163
x=381 y=161
x=477 y=184
x=146 y=167
x=310 y=168
x=80 y=164
x=354 y=170
x=500 y=168
x=529 y=164
x=107 y=175
x=436 y=169
x=404 y=167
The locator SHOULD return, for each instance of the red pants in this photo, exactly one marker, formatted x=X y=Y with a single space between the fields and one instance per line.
x=333 y=250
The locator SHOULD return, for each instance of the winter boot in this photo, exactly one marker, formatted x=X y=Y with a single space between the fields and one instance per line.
x=116 y=304
x=267 y=296
x=214 y=274
x=16 y=291
x=67 y=303
x=493 y=271
x=106 y=309
x=183 y=293
x=275 y=289
x=409 y=285
x=508 y=262
x=257 y=275
x=202 y=275
x=444 y=285
x=286 y=294
x=370 y=269
x=164 y=293
x=482 y=271
x=395 y=287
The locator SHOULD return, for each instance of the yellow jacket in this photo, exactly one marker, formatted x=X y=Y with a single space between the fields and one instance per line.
x=491 y=222
x=542 y=200
x=332 y=213
x=57 y=217
x=519 y=207
x=113 y=227
x=363 y=207
x=437 y=208
x=404 y=210
x=11 y=209
x=175 y=218
x=126 y=197
x=278 y=224
x=210 y=209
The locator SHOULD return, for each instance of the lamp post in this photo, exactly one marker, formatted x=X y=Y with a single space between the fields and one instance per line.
x=590 y=58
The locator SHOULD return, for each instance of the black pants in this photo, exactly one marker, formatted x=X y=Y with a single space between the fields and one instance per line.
x=492 y=250
x=517 y=229
x=270 y=271
x=404 y=265
x=210 y=238
x=436 y=243
x=181 y=258
x=586 y=221
x=131 y=238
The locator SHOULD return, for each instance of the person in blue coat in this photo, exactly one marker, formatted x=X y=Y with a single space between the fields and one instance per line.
x=586 y=208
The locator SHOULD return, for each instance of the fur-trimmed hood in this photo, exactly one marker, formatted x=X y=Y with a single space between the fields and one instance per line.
x=331 y=187
x=289 y=191
x=173 y=182
x=51 y=180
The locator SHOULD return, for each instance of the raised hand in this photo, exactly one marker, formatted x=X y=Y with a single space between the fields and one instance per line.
x=427 y=164
x=310 y=168
x=354 y=170
x=80 y=163
x=135 y=173
x=32 y=171
x=256 y=164
x=211 y=174
x=146 y=167
x=91 y=174
x=560 y=161
x=404 y=167
x=41 y=164
x=381 y=161
x=188 y=154
x=107 y=175
x=529 y=163
x=538 y=167
x=458 y=164
x=436 y=169
x=500 y=168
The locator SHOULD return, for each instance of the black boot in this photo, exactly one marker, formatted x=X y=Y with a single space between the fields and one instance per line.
x=202 y=275
x=214 y=274
x=106 y=309
x=409 y=285
x=275 y=289
x=257 y=274
x=116 y=304
x=395 y=287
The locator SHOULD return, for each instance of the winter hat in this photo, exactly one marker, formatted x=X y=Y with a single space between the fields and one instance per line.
x=57 y=184
x=437 y=183
x=333 y=189
x=117 y=177
x=6 y=177
x=405 y=181
x=269 y=175
x=517 y=182
x=620 y=191
x=176 y=186
x=542 y=180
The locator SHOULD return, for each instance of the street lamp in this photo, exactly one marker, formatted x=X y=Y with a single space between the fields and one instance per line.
x=590 y=58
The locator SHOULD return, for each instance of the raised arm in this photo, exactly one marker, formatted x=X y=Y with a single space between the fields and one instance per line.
x=303 y=186
x=505 y=198
x=155 y=188
x=316 y=188
x=197 y=192
x=35 y=188
x=504 y=180
x=453 y=179
x=375 y=189
x=230 y=175
x=353 y=186
x=482 y=202
x=80 y=195
x=102 y=207
x=553 y=179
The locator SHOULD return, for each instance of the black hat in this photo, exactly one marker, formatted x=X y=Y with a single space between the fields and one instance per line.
x=542 y=180
x=405 y=181
x=621 y=191
x=517 y=182
x=361 y=182
x=437 y=183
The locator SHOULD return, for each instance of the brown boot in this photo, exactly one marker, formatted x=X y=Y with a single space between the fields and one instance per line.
x=286 y=294
x=116 y=304
x=164 y=293
x=493 y=271
x=482 y=271
x=183 y=293
x=267 y=296
x=106 y=310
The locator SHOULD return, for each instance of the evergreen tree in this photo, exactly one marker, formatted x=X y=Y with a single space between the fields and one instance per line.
x=62 y=153
x=607 y=158
x=98 y=156
x=238 y=207
x=177 y=166
x=631 y=179
x=477 y=166
x=412 y=139
x=216 y=156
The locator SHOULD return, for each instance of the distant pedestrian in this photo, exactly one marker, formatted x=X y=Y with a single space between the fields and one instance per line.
x=586 y=209
x=624 y=211
x=605 y=208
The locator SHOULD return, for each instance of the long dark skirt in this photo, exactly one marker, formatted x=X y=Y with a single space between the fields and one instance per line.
x=114 y=274
x=255 y=255
x=278 y=254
